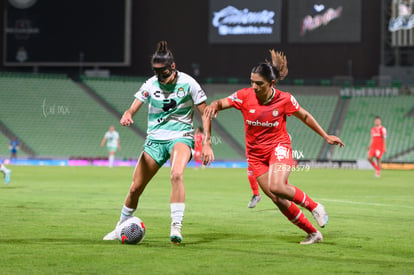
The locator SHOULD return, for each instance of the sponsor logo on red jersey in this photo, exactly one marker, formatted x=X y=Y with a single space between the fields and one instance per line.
x=262 y=124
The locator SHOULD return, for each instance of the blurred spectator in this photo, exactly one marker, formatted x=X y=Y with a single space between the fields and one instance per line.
x=14 y=147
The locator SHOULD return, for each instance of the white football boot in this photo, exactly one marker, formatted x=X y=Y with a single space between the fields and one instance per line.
x=313 y=238
x=320 y=215
x=113 y=235
x=175 y=235
x=7 y=175
x=255 y=200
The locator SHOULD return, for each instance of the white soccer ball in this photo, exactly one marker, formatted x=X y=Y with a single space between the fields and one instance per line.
x=131 y=231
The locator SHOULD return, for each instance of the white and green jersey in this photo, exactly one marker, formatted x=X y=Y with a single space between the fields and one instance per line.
x=112 y=139
x=171 y=106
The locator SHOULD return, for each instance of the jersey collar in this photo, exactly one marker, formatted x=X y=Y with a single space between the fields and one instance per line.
x=271 y=97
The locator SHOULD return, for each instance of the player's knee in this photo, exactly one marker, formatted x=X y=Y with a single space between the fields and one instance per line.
x=176 y=177
x=281 y=203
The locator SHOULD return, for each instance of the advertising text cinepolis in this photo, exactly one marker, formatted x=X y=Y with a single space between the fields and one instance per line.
x=262 y=124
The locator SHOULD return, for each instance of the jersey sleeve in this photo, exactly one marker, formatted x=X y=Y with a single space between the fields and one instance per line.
x=292 y=105
x=143 y=92
x=384 y=133
x=197 y=93
x=235 y=99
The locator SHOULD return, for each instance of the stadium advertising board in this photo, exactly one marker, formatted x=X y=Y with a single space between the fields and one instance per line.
x=245 y=21
x=324 y=21
x=61 y=33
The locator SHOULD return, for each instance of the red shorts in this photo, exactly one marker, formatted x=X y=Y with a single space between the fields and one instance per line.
x=375 y=152
x=280 y=154
x=197 y=154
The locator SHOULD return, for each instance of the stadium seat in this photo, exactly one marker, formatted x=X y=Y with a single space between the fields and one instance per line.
x=360 y=119
x=56 y=118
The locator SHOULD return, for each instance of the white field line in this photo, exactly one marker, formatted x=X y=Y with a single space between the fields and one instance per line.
x=369 y=203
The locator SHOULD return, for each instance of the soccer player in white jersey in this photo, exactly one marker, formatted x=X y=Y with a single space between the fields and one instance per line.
x=171 y=96
x=111 y=139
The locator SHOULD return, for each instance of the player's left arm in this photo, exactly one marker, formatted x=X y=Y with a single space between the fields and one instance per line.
x=207 y=154
x=311 y=122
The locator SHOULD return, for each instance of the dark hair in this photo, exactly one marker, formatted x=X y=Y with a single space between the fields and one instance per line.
x=162 y=55
x=377 y=117
x=275 y=70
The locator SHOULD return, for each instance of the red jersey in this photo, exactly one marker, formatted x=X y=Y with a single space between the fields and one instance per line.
x=265 y=124
x=378 y=134
x=198 y=142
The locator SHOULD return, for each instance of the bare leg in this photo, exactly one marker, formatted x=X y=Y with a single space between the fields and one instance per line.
x=180 y=155
x=145 y=169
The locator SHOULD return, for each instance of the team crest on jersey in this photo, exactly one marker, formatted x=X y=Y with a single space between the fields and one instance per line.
x=234 y=97
x=275 y=113
x=180 y=93
x=145 y=94
x=281 y=152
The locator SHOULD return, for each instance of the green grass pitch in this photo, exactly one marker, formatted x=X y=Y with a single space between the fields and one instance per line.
x=52 y=220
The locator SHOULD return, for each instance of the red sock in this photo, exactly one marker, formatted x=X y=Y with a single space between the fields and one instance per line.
x=303 y=200
x=296 y=216
x=374 y=165
x=253 y=184
x=198 y=162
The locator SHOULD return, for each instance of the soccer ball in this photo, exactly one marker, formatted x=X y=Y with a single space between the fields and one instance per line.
x=131 y=231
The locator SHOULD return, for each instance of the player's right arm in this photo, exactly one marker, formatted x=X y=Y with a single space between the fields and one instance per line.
x=370 y=144
x=126 y=119
x=103 y=142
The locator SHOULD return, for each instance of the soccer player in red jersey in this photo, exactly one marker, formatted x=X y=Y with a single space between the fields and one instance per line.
x=377 y=146
x=268 y=145
x=198 y=140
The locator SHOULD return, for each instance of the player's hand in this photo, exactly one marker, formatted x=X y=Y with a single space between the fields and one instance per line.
x=211 y=110
x=207 y=154
x=334 y=140
x=126 y=119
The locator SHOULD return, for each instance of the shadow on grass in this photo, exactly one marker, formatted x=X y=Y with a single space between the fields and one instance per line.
x=190 y=240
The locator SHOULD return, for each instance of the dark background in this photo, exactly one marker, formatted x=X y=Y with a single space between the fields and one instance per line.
x=345 y=28
x=68 y=34
x=184 y=24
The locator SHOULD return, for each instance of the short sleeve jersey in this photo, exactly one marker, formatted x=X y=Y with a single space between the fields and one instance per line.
x=112 y=138
x=14 y=144
x=171 y=106
x=378 y=134
x=265 y=124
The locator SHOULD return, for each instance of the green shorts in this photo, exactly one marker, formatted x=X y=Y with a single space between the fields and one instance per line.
x=160 y=151
x=112 y=148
